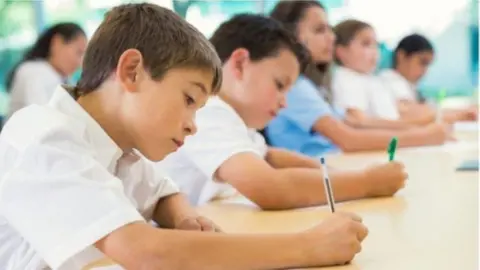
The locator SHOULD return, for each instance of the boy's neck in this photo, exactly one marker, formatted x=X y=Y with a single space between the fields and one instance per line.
x=226 y=97
x=107 y=116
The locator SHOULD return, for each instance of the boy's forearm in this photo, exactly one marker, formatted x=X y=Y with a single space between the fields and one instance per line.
x=140 y=246
x=172 y=209
x=208 y=251
x=299 y=187
x=280 y=158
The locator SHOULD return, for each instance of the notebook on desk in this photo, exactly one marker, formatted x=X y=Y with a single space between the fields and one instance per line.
x=468 y=165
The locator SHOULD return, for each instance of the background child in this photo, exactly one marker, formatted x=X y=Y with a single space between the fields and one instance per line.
x=74 y=187
x=411 y=59
x=55 y=56
x=310 y=124
x=261 y=60
x=355 y=87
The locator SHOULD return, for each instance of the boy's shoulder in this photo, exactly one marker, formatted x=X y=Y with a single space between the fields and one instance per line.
x=217 y=111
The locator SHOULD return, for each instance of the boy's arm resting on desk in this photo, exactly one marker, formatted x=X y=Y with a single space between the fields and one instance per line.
x=280 y=158
x=350 y=139
x=288 y=188
x=140 y=246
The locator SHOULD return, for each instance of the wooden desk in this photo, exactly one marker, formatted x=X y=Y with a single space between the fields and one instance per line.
x=431 y=224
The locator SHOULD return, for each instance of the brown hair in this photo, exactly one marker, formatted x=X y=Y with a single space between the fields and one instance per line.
x=346 y=32
x=165 y=40
x=262 y=36
x=290 y=14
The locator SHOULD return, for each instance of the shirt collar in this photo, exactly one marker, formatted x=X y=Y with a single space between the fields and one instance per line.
x=106 y=148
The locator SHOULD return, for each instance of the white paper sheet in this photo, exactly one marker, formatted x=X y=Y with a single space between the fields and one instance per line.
x=466 y=126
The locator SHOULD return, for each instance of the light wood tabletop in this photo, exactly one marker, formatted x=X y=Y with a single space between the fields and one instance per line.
x=431 y=224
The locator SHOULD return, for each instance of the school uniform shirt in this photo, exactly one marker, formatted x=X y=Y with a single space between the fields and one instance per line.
x=33 y=83
x=365 y=92
x=64 y=185
x=221 y=134
x=399 y=88
x=292 y=129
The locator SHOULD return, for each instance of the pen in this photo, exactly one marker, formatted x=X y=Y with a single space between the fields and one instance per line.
x=392 y=147
x=328 y=187
x=440 y=97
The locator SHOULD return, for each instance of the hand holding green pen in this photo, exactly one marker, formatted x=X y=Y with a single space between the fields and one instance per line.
x=392 y=147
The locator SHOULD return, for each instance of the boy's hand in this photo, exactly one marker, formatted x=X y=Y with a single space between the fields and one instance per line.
x=197 y=223
x=335 y=241
x=385 y=179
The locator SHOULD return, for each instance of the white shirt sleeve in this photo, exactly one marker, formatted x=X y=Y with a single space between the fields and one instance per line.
x=221 y=134
x=349 y=91
x=61 y=200
x=151 y=186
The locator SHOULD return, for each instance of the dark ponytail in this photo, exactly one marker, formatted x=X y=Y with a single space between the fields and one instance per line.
x=41 y=48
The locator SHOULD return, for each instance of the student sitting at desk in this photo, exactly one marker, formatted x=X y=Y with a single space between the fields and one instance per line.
x=310 y=124
x=74 y=188
x=411 y=59
x=55 y=56
x=261 y=60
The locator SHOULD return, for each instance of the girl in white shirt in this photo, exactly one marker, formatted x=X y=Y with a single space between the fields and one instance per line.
x=412 y=57
x=56 y=55
x=356 y=88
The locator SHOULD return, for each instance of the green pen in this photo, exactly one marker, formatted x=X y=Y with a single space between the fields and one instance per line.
x=440 y=97
x=392 y=147
x=442 y=94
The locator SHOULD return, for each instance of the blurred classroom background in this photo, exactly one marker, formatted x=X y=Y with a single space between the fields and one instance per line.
x=451 y=25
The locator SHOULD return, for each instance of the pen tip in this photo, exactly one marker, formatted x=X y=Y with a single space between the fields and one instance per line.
x=322 y=160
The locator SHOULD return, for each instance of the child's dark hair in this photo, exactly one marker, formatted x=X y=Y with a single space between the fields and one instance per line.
x=165 y=40
x=261 y=36
x=411 y=44
x=290 y=14
x=41 y=48
x=346 y=31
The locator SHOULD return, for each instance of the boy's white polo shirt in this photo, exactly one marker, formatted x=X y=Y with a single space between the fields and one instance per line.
x=64 y=184
x=221 y=134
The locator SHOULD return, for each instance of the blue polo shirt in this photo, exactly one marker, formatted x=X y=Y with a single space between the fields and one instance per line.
x=293 y=127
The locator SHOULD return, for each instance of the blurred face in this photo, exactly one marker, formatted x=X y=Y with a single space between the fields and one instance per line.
x=67 y=56
x=159 y=115
x=261 y=86
x=413 y=67
x=315 y=33
x=361 y=54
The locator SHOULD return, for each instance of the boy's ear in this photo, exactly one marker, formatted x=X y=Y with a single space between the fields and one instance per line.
x=239 y=59
x=401 y=55
x=129 y=69
x=340 y=52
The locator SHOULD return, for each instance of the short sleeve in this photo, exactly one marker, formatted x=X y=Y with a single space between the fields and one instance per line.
x=62 y=201
x=305 y=105
x=220 y=135
x=151 y=185
x=349 y=91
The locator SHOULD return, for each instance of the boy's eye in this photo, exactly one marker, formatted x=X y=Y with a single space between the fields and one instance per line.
x=320 y=29
x=279 y=85
x=189 y=100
